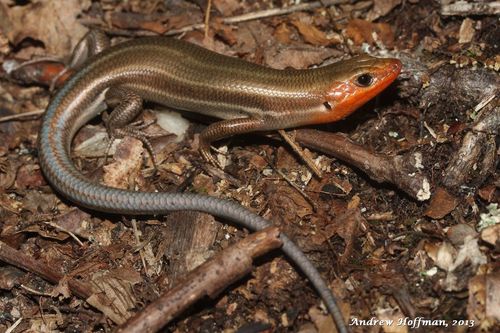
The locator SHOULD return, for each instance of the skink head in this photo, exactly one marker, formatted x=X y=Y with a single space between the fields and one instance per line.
x=356 y=82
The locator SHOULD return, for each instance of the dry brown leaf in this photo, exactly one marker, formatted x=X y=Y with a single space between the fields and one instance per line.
x=442 y=203
x=8 y=172
x=491 y=234
x=224 y=31
x=227 y=7
x=75 y=221
x=297 y=58
x=489 y=193
x=484 y=302
x=466 y=33
x=114 y=297
x=457 y=233
x=314 y=36
x=10 y=276
x=381 y=8
x=29 y=176
x=203 y=184
x=290 y=203
x=127 y=165
x=127 y=20
x=493 y=296
x=391 y=319
x=46 y=233
x=477 y=297
x=283 y=33
x=62 y=288
x=48 y=21
x=323 y=322
x=361 y=31
x=36 y=202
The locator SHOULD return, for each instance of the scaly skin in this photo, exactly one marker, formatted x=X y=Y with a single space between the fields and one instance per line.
x=184 y=76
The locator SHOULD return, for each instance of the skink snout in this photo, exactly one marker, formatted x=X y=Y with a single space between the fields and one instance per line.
x=395 y=66
x=392 y=67
x=365 y=78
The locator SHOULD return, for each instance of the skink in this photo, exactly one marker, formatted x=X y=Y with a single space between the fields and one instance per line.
x=249 y=97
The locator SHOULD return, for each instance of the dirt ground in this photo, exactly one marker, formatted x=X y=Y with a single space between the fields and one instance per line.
x=403 y=224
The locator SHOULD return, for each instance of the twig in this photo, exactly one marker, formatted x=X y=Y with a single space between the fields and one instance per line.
x=260 y=14
x=208 y=279
x=49 y=273
x=400 y=170
x=138 y=241
x=13 y=327
x=296 y=148
x=464 y=8
x=54 y=225
x=295 y=186
x=228 y=20
x=480 y=142
x=21 y=116
x=207 y=17
x=34 y=292
x=282 y=11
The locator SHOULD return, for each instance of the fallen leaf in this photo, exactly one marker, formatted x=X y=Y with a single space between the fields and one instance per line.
x=29 y=176
x=484 y=302
x=445 y=256
x=297 y=58
x=489 y=193
x=8 y=172
x=381 y=8
x=466 y=33
x=227 y=7
x=128 y=20
x=493 y=296
x=36 y=202
x=442 y=203
x=283 y=33
x=477 y=298
x=47 y=21
x=10 y=276
x=115 y=297
x=323 y=322
x=203 y=184
x=128 y=161
x=361 y=31
x=75 y=221
x=314 y=36
x=391 y=318
x=225 y=32
x=457 y=233
x=491 y=235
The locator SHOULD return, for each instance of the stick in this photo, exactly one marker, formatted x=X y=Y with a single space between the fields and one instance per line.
x=21 y=116
x=47 y=272
x=228 y=20
x=463 y=8
x=298 y=150
x=209 y=279
x=399 y=170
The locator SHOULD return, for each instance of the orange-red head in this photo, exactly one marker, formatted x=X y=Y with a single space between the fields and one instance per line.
x=356 y=82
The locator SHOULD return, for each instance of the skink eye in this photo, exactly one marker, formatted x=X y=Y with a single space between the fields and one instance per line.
x=364 y=80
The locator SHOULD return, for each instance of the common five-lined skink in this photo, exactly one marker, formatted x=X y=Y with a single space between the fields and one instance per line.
x=247 y=96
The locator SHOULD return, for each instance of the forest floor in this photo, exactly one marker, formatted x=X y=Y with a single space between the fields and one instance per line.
x=403 y=224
